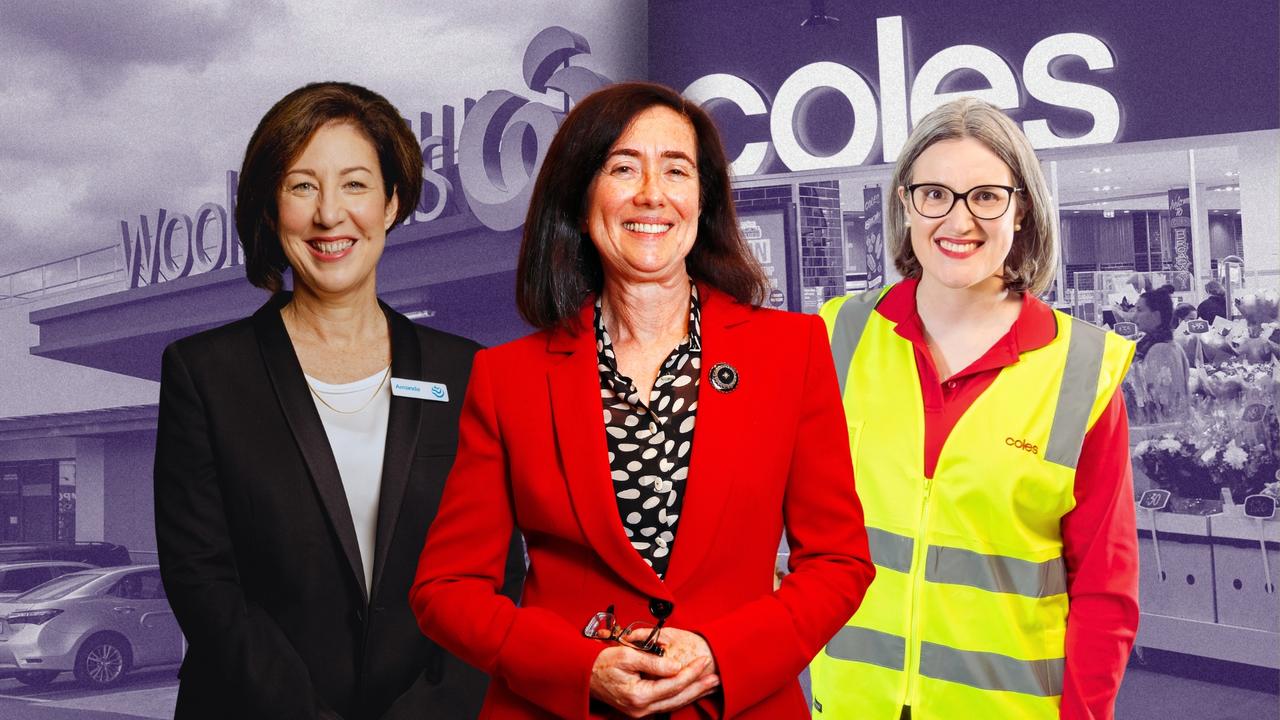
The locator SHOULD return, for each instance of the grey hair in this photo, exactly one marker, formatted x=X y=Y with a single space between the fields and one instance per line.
x=1033 y=259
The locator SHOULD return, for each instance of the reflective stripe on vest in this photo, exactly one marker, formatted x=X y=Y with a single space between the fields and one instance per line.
x=850 y=322
x=991 y=671
x=982 y=670
x=957 y=566
x=890 y=550
x=869 y=646
x=995 y=573
x=1076 y=393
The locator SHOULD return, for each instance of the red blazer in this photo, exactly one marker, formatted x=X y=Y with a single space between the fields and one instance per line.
x=772 y=453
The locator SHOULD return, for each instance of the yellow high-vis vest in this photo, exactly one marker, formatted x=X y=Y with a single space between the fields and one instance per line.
x=967 y=615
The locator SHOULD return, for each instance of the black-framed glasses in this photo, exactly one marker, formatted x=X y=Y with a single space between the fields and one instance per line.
x=985 y=202
x=640 y=635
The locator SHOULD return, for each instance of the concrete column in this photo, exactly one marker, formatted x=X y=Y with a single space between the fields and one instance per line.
x=90 y=489
x=1260 y=208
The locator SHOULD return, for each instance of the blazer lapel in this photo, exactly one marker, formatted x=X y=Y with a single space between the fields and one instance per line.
x=304 y=422
x=402 y=435
x=717 y=436
x=578 y=416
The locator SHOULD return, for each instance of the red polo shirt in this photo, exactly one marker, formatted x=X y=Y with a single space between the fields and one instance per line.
x=1099 y=534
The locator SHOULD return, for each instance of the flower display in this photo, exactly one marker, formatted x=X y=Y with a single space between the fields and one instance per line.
x=1272 y=489
x=1201 y=458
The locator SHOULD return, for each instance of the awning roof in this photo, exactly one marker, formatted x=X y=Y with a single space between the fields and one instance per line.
x=80 y=423
x=460 y=271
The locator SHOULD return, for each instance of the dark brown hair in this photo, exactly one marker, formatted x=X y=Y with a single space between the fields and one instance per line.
x=282 y=135
x=558 y=264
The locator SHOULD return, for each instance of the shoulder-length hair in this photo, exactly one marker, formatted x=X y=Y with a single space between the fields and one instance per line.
x=1033 y=259
x=282 y=135
x=559 y=266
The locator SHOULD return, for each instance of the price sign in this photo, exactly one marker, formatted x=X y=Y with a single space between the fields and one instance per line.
x=1154 y=500
x=1254 y=413
x=1126 y=329
x=1198 y=327
x=1260 y=506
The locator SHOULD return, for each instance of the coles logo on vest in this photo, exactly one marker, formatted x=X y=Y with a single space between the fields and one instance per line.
x=1022 y=445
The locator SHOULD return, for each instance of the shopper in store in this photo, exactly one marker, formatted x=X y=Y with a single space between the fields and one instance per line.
x=1215 y=305
x=991 y=450
x=583 y=434
x=1161 y=372
x=1184 y=312
x=297 y=467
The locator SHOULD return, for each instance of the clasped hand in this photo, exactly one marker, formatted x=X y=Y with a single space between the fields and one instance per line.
x=641 y=684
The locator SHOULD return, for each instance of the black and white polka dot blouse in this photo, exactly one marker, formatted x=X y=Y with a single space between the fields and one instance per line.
x=649 y=443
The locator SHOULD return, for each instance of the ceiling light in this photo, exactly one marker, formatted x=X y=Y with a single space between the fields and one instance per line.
x=818 y=15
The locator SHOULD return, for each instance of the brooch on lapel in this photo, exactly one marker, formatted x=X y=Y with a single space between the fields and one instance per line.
x=724 y=377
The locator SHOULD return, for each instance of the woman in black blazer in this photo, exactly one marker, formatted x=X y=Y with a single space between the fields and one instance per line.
x=302 y=452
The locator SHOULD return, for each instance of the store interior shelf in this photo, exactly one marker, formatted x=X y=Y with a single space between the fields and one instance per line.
x=1206 y=639
x=1244 y=528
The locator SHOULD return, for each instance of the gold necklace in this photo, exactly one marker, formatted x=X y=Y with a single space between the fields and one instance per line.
x=386 y=374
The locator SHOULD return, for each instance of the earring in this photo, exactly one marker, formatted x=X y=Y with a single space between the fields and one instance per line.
x=906 y=223
x=1017 y=227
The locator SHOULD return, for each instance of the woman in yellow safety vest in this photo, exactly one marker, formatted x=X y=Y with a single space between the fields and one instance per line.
x=991 y=452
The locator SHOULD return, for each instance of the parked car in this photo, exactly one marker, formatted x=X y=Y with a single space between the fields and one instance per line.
x=98 y=623
x=97 y=554
x=17 y=578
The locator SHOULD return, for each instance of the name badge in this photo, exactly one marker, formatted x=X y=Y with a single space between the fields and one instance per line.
x=420 y=389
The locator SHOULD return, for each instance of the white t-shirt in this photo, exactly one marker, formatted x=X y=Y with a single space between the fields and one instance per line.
x=358 y=440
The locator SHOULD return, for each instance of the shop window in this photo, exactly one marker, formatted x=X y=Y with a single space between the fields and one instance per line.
x=37 y=501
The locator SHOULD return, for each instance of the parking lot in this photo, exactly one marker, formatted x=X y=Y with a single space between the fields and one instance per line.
x=143 y=694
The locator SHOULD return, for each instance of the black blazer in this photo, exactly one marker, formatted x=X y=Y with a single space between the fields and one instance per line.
x=257 y=547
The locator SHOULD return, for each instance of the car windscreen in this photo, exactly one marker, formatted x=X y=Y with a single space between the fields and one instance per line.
x=57 y=588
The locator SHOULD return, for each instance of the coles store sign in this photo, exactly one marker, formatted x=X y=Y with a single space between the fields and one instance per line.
x=902 y=97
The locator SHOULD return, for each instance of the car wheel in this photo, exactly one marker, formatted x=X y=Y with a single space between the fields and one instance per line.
x=102 y=661
x=36 y=678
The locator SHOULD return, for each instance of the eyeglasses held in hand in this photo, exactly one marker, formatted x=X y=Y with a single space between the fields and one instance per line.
x=642 y=636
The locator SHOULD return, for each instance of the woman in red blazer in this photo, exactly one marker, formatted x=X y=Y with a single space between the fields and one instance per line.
x=650 y=483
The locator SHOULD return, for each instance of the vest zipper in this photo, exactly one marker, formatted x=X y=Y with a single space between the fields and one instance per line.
x=921 y=548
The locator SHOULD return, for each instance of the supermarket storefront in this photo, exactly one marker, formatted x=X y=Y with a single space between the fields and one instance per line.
x=1160 y=139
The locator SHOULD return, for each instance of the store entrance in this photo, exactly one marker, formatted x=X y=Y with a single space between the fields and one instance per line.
x=29 y=502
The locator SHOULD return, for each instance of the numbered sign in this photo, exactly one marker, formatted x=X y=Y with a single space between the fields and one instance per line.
x=1126 y=329
x=1260 y=506
x=1198 y=327
x=1254 y=412
x=1154 y=500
